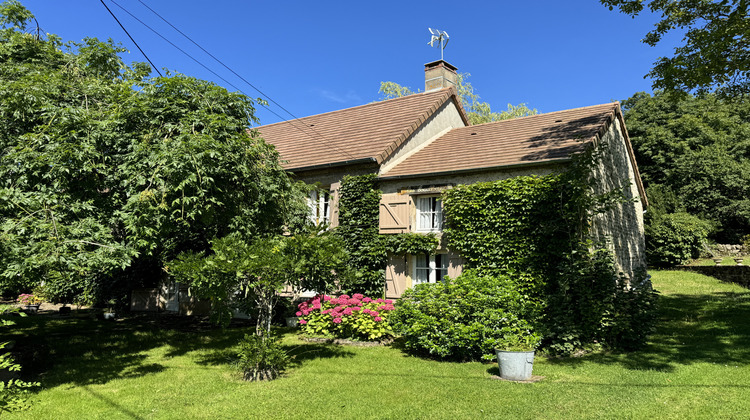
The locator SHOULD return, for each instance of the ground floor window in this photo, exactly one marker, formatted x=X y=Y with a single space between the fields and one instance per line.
x=430 y=268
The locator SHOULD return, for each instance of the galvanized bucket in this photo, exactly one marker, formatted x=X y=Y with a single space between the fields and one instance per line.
x=515 y=365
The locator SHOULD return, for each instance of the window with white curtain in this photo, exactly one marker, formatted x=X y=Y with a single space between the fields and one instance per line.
x=429 y=214
x=319 y=202
x=430 y=268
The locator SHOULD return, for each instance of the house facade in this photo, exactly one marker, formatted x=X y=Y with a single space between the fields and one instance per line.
x=422 y=144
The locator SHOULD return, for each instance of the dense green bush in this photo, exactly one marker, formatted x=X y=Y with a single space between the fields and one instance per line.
x=466 y=318
x=261 y=359
x=674 y=238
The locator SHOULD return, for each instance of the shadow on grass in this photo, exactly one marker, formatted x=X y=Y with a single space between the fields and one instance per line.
x=82 y=352
x=707 y=328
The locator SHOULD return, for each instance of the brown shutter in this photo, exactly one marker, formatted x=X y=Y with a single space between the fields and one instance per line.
x=455 y=264
x=394 y=213
x=395 y=276
x=334 y=221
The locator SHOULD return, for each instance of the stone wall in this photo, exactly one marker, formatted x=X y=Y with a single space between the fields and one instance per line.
x=739 y=274
x=622 y=227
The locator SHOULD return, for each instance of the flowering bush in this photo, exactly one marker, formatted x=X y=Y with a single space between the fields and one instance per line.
x=357 y=316
x=29 y=299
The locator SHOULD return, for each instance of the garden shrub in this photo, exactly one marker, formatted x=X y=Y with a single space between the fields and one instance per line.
x=675 y=238
x=358 y=317
x=261 y=358
x=466 y=318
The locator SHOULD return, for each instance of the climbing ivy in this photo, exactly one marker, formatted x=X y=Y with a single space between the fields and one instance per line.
x=535 y=229
x=359 y=199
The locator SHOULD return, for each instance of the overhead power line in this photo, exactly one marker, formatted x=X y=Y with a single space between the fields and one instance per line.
x=316 y=136
x=131 y=38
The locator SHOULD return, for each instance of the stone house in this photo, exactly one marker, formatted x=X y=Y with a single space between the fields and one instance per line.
x=422 y=144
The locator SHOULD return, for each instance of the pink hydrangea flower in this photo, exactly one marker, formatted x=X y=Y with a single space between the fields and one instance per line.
x=379 y=300
x=326 y=311
x=358 y=296
x=337 y=320
x=326 y=298
x=388 y=301
x=366 y=300
x=333 y=301
x=377 y=319
x=299 y=313
x=348 y=311
x=316 y=305
x=354 y=302
x=356 y=308
x=344 y=297
x=374 y=313
x=302 y=322
x=366 y=310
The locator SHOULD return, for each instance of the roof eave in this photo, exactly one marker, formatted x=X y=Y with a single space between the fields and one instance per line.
x=477 y=170
x=333 y=164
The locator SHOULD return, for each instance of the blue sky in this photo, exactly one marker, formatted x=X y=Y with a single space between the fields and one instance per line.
x=315 y=57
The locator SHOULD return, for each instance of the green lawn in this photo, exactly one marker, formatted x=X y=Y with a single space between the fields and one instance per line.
x=696 y=366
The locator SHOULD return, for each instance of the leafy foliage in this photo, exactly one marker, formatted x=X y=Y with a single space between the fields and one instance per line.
x=261 y=360
x=675 y=238
x=13 y=391
x=477 y=111
x=714 y=55
x=411 y=243
x=103 y=168
x=359 y=202
x=237 y=274
x=358 y=317
x=694 y=154
x=534 y=230
x=466 y=318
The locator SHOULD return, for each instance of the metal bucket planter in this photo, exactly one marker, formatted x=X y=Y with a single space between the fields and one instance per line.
x=292 y=321
x=515 y=365
x=31 y=309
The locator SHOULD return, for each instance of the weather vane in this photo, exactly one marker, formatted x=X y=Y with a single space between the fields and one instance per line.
x=441 y=37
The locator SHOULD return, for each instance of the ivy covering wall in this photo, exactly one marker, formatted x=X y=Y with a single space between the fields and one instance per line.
x=359 y=201
x=534 y=229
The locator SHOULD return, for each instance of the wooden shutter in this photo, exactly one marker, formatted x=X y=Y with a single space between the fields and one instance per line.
x=334 y=206
x=394 y=213
x=395 y=276
x=455 y=264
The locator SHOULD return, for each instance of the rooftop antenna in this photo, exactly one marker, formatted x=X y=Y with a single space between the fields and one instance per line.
x=441 y=37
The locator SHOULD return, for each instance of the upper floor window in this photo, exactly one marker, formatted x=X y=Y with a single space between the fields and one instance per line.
x=429 y=214
x=320 y=207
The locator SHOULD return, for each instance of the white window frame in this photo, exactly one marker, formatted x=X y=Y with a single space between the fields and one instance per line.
x=319 y=203
x=429 y=213
x=436 y=268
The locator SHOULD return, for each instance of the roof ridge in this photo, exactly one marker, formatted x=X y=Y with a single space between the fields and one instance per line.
x=447 y=93
x=374 y=103
x=615 y=103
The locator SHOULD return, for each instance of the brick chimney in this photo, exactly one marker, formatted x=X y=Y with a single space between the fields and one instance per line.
x=439 y=74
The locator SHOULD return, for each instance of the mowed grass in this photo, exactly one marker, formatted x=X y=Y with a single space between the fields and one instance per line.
x=696 y=366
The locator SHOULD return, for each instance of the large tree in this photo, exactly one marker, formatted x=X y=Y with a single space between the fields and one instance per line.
x=478 y=112
x=103 y=167
x=715 y=54
x=694 y=155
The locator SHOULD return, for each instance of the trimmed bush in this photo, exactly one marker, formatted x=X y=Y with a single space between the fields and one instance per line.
x=675 y=238
x=465 y=318
x=261 y=359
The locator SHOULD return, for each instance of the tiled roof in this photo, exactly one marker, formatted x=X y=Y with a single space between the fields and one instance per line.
x=372 y=131
x=527 y=140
